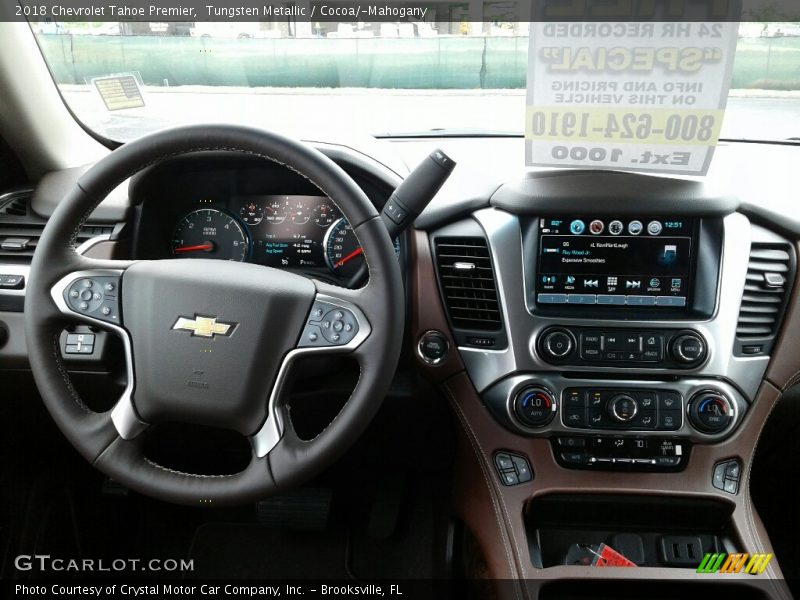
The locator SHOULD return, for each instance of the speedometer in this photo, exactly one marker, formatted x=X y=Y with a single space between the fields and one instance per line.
x=210 y=233
x=343 y=253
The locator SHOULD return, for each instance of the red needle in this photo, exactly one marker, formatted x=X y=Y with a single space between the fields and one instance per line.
x=206 y=246
x=350 y=256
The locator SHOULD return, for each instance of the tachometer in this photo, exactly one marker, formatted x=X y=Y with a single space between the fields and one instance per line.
x=210 y=233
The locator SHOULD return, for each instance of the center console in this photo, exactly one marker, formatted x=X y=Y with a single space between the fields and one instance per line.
x=623 y=327
x=609 y=337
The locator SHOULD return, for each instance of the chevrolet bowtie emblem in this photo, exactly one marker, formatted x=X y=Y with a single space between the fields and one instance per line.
x=204 y=326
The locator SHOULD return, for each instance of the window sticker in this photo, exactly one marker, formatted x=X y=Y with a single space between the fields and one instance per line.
x=636 y=96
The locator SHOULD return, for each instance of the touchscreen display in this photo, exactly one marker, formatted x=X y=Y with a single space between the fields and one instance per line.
x=642 y=262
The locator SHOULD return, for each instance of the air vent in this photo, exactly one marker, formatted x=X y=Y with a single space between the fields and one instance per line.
x=768 y=278
x=21 y=228
x=16 y=205
x=468 y=285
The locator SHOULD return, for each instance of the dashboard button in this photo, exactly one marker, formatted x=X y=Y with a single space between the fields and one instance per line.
x=592 y=340
x=623 y=408
x=614 y=300
x=641 y=300
x=668 y=400
x=689 y=349
x=674 y=301
x=574 y=398
x=647 y=400
x=574 y=417
x=591 y=353
x=433 y=347
x=710 y=412
x=575 y=458
x=572 y=442
x=595 y=417
x=551 y=298
x=581 y=299
x=557 y=344
x=669 y=420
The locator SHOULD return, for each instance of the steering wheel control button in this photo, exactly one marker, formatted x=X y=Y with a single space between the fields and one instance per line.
x=79 y=343
x=689 y=349
x=433 y=347
x=328 y=325
x=710 y=412
x=513 y=469
x=534 y=406
x=556 y=345
x=726 y=476
x=91 y=297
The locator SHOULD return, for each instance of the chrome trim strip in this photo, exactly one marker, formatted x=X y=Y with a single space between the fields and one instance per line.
x=91 y=242
x=272 y=430
x=504 y=236
x=124 y=416
x=505 y=392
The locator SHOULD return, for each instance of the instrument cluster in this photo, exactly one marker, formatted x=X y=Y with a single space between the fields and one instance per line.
x=283 y=231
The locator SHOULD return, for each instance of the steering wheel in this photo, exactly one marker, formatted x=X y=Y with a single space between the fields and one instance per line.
x=210 y=342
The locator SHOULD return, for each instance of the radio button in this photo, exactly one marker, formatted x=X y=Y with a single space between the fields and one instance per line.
x=689 y=348
x=622 y=342
x=591 y=354
x=611 y=299
x=592 y=340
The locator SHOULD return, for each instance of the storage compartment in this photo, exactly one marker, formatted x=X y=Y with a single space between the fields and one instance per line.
x=651 y=531
x=648 y=590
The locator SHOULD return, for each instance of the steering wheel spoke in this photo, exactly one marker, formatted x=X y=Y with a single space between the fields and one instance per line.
x=335 y=325
x=93 y=295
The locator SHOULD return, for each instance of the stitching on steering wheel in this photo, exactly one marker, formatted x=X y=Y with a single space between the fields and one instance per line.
x=65 y=376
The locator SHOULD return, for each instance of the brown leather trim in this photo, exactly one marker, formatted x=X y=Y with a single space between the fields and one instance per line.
x=427 y=312
x=479 y=510
x=784 y=369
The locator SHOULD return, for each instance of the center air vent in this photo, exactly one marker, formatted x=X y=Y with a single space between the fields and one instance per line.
x=768 y=279
x=468 y=284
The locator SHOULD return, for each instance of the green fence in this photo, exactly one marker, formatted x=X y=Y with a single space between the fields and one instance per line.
x=419 y=63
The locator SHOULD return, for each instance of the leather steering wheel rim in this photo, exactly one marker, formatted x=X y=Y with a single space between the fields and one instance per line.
x=116 y=449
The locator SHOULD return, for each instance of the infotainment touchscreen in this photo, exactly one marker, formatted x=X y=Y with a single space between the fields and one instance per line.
x=622 y=262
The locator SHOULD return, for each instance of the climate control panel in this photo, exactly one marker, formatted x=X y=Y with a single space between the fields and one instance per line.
x=589 y=346
x=698 y=410
x=628 y=409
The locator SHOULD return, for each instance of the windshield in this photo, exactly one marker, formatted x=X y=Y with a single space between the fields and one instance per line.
x=127 y=79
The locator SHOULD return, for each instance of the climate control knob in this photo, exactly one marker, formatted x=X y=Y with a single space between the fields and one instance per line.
x=534 y=406
x=710 y=412
x=556 y=344
x=622 y=408
x=689 y=349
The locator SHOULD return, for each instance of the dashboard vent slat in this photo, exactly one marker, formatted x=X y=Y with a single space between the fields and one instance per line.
x=19 y=222
x=764 y=291
x=467 y=280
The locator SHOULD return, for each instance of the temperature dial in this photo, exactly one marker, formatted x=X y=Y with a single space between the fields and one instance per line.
x=535 y=406
x=710 y=412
